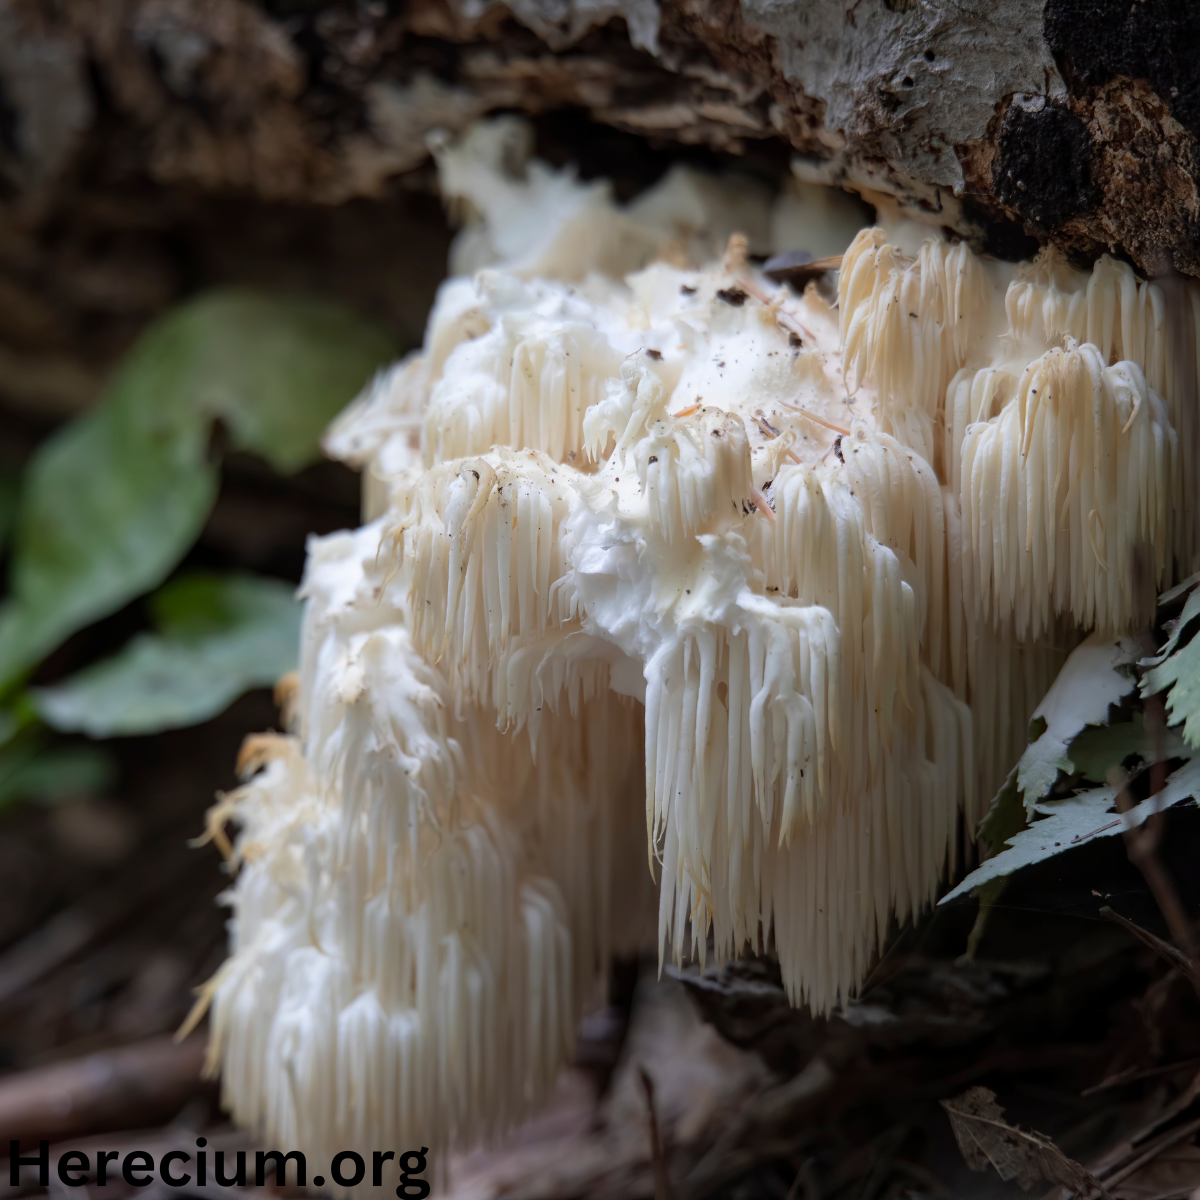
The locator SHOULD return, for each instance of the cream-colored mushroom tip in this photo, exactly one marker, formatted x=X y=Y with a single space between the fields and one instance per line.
x=680 y=593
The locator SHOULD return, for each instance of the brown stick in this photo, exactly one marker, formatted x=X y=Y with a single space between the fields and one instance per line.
x=1164 y=1142
x=1134 y=1143
x=662 y=1178
x=1141 y=845
x=1165 y=950
x=806 y=1179
x=1142 y=848
x=142 y=1084
x=1133 y=1075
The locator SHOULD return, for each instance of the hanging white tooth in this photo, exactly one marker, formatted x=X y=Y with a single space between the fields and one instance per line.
x=626 y=527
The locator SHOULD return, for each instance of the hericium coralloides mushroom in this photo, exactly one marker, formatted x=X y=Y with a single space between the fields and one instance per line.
x=662 y=562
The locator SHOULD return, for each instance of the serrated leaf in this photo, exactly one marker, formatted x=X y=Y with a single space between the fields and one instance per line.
x=218 y=636
x=1070 y=822
x=1191 y=610
x=112 y=502
x=1092 y=679
x=1180 y=672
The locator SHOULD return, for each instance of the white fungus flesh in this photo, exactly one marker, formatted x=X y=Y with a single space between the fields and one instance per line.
x=680 y=594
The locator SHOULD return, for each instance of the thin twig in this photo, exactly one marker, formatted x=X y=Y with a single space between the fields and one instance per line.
x=1141 y=844
x=788 y=320
x=1117 y=1156
x=1081 y=837
x=1134 y=1076
x=662 y=1178
x=806 y=1179
x=1171 y=1138
x=792 y=324
x=819 y=420
x=1165 y=950
x=760 y=502
x=774 y=433
x=1142 y=847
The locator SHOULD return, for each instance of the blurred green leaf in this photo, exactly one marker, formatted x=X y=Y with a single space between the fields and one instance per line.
x=112 y=502
x=277 y=370
x=109 y=506
x=218 y=636
x=30 y=771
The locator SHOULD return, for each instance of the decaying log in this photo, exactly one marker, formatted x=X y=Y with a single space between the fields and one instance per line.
x=1001 y=119
x=147 y=145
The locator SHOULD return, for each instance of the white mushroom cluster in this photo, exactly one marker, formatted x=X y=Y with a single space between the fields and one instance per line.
x=664 y=562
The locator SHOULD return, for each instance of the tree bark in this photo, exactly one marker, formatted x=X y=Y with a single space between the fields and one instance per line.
x=1009 y=122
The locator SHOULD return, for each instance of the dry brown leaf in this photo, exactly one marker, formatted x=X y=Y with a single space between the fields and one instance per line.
x=1026 y=1158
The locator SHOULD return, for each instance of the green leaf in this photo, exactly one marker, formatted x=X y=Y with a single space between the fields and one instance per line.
x=109 y=506
x=1097 y=675
x=112 y=502
x=1099 y=748
x=32 y=772
x=1191 y=610
x=198 y=605
x=1065 y=824
x=1179 y=670
x=277 y=370
x=1180 y=673
x=218 y=637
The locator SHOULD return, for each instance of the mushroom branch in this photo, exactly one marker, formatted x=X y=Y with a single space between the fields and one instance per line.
x=619 y=597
